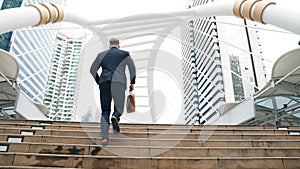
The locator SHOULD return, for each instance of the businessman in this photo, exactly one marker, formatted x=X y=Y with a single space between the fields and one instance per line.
x=112 y=84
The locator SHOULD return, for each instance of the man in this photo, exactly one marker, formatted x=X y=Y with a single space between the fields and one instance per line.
x=112 y=84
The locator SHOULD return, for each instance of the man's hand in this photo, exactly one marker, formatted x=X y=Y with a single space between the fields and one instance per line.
x=131 y=87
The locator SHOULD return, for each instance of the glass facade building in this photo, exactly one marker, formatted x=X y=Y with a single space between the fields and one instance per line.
x=33 y=47
x=5 y=38
x=221 y=64
x=62 y=80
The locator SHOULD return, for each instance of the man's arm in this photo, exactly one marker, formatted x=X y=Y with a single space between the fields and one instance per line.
x=94 y=68
x=132 y=70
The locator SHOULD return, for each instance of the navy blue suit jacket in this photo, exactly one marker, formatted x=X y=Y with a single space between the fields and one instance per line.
x=113 y=62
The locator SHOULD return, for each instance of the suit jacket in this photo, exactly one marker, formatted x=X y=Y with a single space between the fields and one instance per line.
x=113 y=62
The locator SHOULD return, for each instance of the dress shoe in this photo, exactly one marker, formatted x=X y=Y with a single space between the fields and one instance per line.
x=115 y=124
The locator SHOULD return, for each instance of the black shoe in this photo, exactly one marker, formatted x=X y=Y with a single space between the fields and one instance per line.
x=96 y=150
x=115 y=124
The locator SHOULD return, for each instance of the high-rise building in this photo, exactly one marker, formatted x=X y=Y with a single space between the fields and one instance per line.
x=33 y=48
x=5 y=38
x=221 y=64
x=62 y=79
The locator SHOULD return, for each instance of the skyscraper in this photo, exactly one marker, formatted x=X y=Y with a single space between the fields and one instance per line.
x=33 y=48
x=61 y=85
x=221 y=64
x=5 y=39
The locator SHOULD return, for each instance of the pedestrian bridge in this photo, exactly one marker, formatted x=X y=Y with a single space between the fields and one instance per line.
x=284 y=82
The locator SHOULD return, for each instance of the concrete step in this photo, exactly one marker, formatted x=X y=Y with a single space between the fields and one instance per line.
x=46 y=122
x=29 y=167
x=95 y=132
x=97 y=162
x=149 y=151
x=60 y=124
x=92 y=140
x=50 y=127
x=48 y=139
x=207 y=143
x=153 y=142
x=162 y=142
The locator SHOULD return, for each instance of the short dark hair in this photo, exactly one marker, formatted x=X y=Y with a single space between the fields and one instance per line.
x=114 y=41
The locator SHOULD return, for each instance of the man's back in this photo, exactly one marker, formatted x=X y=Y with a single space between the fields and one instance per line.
x=113 y=63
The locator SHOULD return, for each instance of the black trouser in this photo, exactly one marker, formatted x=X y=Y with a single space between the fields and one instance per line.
x=108 y=92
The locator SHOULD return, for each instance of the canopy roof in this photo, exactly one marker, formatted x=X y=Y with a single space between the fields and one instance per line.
x=9 y=69
x=9 y=65
x=11 y=104
x=285 y=77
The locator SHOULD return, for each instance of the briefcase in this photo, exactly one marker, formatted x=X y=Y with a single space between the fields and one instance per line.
x=130 y=103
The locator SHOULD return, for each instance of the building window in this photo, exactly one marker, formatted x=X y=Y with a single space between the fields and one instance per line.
x=237 y=81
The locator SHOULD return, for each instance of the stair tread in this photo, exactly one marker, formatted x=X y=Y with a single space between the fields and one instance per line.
x=161 y=137
x=94 y=162
x=146 y=129
x=92 y=156
x=31 y=167
x=149 y=146
x=172 y=133
x=97 y=124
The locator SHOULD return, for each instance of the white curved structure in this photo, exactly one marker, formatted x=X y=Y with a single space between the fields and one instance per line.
x=264 y=11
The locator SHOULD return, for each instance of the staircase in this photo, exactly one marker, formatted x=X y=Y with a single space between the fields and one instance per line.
x=52 y=144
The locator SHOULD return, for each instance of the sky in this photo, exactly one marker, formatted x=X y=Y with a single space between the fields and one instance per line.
x=122 y=8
